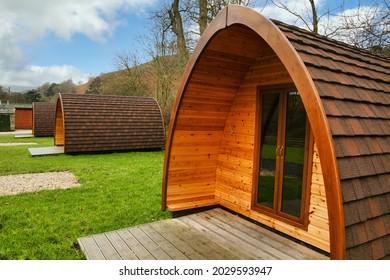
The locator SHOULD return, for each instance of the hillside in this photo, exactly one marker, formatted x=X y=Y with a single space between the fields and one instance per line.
x=159 y=80
x=139 y=80
x=82 y=88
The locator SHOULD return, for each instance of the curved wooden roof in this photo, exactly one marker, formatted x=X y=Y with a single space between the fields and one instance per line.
x=98 y=123
x=43 y=119
x=346 y=95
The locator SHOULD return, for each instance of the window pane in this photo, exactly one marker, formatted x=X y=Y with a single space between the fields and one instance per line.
x=268 y=143
x=294 y=155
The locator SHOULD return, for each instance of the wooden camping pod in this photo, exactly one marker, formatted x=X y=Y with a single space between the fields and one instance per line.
x=98 y=123
x=43 y=119
x=213 y=153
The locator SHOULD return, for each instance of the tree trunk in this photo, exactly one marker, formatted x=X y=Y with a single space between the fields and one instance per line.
x=177 y=29
x=202 y=20
x=315 y=17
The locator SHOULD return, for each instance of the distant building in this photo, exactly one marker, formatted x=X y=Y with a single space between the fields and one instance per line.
x=7 y=117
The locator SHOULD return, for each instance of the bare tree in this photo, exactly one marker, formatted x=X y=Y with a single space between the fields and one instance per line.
x=203 y=18
x=366 y=27
x=203 y=12
x=314 y=16
x=178 y=28
x=187 y=19
x=133 y=79
x=309 y=15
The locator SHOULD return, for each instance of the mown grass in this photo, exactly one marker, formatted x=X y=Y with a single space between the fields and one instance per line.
x=117 y=190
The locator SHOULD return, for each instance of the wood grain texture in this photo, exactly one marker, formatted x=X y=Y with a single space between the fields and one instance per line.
x=210 y=235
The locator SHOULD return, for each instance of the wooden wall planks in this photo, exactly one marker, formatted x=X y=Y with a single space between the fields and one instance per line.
x=202 y=119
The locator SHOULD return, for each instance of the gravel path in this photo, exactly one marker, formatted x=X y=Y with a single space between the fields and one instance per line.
x=14 y=184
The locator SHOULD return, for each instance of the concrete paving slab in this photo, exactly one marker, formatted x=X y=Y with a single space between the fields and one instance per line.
x=46 y=151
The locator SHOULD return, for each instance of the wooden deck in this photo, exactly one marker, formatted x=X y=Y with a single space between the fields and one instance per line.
x=212 y=234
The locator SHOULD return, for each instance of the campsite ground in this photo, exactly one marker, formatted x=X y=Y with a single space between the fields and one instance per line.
x=116 y=190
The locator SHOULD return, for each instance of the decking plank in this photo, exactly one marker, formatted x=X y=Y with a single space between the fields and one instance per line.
x=240 y=232
x=260 y=234
x=135 y=246
x=288 y=246
x=240 y=238
x=200 y=241
x=106 y=247
x=213 y=234
x=230 y=249
x=148 y=244
x=120 y=246
x=163 y=243
x=90 y=248
x=169 y=231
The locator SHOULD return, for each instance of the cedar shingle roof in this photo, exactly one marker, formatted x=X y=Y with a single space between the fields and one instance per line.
x=101 y=123
x=354 y=86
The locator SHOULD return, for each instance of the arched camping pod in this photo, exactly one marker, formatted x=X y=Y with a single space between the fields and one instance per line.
x=287 y=128
x=43 y=119
x=98 y=123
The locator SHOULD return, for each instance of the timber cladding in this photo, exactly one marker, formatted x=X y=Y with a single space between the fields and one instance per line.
x=214 y=156
x=43 y=119
x=99 y=123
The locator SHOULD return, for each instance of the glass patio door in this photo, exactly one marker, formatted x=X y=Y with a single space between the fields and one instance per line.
x=283 y=137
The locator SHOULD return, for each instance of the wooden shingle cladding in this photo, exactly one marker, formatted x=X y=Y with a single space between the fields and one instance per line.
x=43 y=119
x=97 y=123
x=211 y=146
x=354 y=86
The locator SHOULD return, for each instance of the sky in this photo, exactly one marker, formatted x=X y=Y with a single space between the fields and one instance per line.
x=55 y=40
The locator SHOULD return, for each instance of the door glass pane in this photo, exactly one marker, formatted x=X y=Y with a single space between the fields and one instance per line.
x=268 y=143
x=293 y=155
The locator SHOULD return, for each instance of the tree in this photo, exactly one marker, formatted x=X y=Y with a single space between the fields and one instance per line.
x=133 y=74
x=49 y=91
x=204 y=11
x=32 y=95
x=3 y=95
x=94 y=86
x=188 y=19
x=178 y=29
x=367 y=27
x=307 y=15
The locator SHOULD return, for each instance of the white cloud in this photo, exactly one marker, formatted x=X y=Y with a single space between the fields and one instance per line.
x=92 y=18
x=27 y=22
x=33 y=75
x=300 y=7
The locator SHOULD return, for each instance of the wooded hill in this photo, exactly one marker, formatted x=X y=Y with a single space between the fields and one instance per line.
x=158 y=78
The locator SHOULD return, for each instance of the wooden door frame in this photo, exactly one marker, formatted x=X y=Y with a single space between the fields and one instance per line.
x=276 y=213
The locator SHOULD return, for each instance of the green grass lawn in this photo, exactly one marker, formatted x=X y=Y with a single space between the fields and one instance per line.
x=117 y=190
